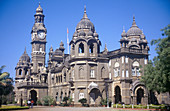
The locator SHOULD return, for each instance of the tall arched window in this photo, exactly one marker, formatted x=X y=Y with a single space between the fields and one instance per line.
x=81 y=70
x=116 y=70
x=72 y=48
x=20 y=72
x=64 y=77
x=91 y=48
x=81 y=48
x=135 y=69
x=103 y=72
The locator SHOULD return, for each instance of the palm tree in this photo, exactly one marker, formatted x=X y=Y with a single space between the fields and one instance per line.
x=6 y=86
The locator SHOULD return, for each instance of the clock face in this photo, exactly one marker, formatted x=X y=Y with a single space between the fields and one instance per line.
x=41 y=35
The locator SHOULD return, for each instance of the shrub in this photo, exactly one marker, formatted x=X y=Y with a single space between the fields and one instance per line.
x=39 y=102
x=83 y=101
x=48 y=100
x=103 y=102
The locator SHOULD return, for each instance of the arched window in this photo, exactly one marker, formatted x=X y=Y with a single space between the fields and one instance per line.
x=116 y=70
x=56 y=96
x=81 y=70
x=91 y=48
x=92 y=72
x=64 y=77
x=81 y=48
x=26 y=71
x=73 y=47
x=103 y=72
x=20 y=72
x=135 y=69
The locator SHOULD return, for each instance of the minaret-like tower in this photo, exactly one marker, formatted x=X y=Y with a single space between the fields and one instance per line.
x=38 y=41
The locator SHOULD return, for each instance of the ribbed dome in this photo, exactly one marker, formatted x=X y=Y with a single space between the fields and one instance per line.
x=39 y=9
x=85 y=23
x=134 y=30
x=25 y=57
x=58 y=52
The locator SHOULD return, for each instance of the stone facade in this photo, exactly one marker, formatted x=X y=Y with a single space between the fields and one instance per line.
x=86 y=72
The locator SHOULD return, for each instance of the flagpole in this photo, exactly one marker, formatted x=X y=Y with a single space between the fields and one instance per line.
x=67 y=42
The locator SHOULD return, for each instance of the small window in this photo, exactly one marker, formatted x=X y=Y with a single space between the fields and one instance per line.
x=110 y=75
x=72 y=73
x=91 y=48
x=123 y=75
x=145 y=61
x=137 y=72
x=110 y=63
x=92 y=74
x=133 y=72
x=126 y=59
x=73 y=96
x=122 y=59
x=81 y=48
x=81 y=95
x=40 y=49
x=127 y=73
x=20 y=72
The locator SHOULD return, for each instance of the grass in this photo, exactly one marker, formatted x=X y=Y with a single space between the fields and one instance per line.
x=4 y=107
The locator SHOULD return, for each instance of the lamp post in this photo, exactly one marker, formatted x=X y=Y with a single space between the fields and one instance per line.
x=21 y=100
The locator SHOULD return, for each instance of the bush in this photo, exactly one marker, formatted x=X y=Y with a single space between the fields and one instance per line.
x=103 y=102
x=48 y=100
x=39 y=102
x=83 y=101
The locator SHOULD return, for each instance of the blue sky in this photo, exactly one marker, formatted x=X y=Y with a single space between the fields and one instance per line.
x=108 y=17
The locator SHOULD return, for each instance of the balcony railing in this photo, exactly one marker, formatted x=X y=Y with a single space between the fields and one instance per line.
x=32 y=84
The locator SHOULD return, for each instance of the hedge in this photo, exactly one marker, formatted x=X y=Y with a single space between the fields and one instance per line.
x=13 y=107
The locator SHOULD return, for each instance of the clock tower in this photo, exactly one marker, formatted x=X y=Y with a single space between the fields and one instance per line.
x=38 y=35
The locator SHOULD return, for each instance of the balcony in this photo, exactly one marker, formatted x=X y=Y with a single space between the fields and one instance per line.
x=32 y=85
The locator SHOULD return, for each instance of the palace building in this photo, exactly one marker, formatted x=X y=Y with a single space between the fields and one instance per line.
x=87 y=72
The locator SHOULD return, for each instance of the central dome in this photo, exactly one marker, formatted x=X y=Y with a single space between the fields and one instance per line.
x=85 y=23
x=134 y=30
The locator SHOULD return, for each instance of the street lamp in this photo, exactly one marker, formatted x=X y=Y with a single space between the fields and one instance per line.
x=21 y=100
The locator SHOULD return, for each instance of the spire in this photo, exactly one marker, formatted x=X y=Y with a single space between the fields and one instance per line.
x=105 y=49
x=51 y=49
x=85 y=15
x=39 y=9
x=134 y=22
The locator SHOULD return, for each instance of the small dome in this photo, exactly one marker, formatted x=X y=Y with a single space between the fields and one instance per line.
x=82 y=33
x=58 y=52
x=51 y=49
x=123 y=34
x=95 y=34
x=39 y=9
x=90 y=33
x=25 y=57
x=134 y=30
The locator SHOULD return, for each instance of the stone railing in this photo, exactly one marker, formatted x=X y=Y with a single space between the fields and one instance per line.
x=32 y=84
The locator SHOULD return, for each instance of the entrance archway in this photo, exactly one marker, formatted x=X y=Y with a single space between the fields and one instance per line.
x=33 y=96
x=118 y=98
x=140 y=95
x=94 y=95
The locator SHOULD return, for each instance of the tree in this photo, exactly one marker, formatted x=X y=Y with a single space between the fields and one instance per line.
x=83 y=101
x=6 y=86
x=157 y=72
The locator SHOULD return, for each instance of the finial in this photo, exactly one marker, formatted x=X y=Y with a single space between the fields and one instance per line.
x=84 y=8
x=25 y=51
x=85 y=15
x=123 y=28
x=134 y=22
x=39 y=3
